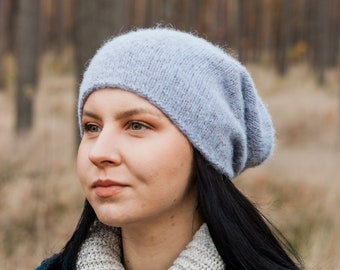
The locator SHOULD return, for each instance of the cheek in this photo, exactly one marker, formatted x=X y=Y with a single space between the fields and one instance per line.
x=177 y=157
x=81 y=162
x=168 y=164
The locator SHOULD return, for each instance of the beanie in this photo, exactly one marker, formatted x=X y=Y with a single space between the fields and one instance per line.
x=204 y=91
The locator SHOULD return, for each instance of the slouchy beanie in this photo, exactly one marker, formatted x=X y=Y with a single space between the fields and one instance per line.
x=203 y=90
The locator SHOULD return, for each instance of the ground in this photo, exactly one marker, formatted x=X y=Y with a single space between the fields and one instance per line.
x=297 y=188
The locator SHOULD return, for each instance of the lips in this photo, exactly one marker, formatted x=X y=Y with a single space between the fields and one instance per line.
x=107 y=188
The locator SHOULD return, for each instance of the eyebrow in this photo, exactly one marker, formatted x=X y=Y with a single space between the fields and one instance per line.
x=129 y=113
x=91 y=114
x=124 y=114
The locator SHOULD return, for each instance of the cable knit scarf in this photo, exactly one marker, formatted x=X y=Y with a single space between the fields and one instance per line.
x=102 y=251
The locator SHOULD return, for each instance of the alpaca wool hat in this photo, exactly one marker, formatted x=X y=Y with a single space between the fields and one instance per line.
x=204 y=91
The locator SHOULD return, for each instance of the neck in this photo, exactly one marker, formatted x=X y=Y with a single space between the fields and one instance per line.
x=152 y=246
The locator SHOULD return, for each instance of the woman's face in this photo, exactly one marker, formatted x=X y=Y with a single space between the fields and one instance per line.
x=134 y=165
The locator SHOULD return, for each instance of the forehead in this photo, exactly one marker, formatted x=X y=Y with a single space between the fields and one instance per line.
x=120 y=100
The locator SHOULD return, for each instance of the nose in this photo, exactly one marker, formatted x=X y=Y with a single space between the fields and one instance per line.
x=105 y=150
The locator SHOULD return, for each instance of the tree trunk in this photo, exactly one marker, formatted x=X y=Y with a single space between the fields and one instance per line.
x=27 y=57
x=7 y=11
x=322 y=40
x=284 y=37
x=241 y=30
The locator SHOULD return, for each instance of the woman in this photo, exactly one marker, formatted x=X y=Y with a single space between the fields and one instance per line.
x=167 y=121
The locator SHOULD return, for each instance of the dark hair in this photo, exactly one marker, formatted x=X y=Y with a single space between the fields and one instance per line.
x=241 y=234
x=67 y=258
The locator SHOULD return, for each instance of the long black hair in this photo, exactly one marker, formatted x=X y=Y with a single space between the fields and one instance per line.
x=244 y=238
x=67 y=258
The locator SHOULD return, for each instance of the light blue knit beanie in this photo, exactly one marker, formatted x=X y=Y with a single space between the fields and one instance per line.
x=206 y=93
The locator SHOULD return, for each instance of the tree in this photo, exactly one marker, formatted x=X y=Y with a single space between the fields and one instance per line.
x=322 y=40
x=27 y=56
x=282 y=34
x=7 y=9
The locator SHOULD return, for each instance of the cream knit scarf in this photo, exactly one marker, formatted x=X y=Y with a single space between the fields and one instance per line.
x=102 y=251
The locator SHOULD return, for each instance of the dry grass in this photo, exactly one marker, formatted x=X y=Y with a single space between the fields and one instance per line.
x=298 y=187
x=40 y=198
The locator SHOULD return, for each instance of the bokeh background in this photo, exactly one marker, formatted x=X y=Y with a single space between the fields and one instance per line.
x=290 y=47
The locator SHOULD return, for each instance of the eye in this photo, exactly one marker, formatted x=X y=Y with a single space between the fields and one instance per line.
x=91 y=128
x=135 y=126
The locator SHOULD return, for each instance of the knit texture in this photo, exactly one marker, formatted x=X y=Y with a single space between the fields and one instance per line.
x=206 y=93
x=102 y=251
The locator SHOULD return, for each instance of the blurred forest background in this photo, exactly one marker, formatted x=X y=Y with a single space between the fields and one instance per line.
x=292 y=49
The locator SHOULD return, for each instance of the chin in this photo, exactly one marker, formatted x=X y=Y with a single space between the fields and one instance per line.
x=107 y=217
x=109 y=221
